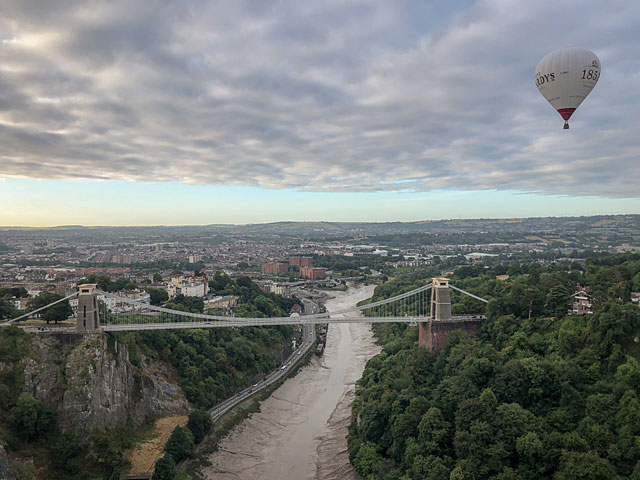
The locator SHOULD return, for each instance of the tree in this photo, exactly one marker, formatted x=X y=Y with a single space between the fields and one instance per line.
x=557 y=301
x=13 y=292
x=200 y=424
x=63 y=449
x=587 y=466
x=180 y=443
x=24 y=417
x=220 y=282
x=6 y=309
x=157 y=278
x=165 y=468
x=58 y=312
x=158 y=296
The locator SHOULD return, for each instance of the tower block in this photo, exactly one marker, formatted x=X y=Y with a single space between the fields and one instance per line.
x=434 y=333
x=88 y=317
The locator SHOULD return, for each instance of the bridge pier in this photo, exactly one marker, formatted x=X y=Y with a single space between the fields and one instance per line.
x=88 y=316
x=434 y=333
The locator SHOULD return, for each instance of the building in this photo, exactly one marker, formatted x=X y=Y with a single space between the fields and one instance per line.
x=280 y=289
x=114 y=305
x=225 y=302
x=301 y=261
x=275 y=268
x=123 y=259
x=581 y=303
x=312 y=273
x=189 y=287
x=20 y=303
x=109 y=302
x=195 y=258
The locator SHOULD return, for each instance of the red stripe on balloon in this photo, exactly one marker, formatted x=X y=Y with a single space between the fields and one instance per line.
x=566 y=113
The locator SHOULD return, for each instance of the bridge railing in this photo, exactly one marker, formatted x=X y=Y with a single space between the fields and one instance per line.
x=148 y=314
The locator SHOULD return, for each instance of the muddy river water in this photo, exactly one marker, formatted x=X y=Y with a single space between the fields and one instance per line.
x=300 y=431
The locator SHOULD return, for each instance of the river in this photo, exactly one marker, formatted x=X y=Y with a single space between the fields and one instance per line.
x=300 y=431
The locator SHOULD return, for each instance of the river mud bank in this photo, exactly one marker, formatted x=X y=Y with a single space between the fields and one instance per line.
x=300 y=431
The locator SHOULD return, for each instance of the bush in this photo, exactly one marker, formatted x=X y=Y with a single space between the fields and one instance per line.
x=200 y=425
x=165 y=468
x=180 y=443
x=28 y=419
x=63 y=448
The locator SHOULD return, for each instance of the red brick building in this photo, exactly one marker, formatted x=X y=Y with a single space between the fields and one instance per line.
x=301 y=261
x=275 y=268
x=312 y=273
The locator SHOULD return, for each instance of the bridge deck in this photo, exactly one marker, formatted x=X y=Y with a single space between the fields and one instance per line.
x=240 y=322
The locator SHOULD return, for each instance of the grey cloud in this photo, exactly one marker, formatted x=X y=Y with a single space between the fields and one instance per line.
x=318 y=96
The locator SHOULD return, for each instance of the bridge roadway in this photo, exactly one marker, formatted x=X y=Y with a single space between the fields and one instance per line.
x=258 y=322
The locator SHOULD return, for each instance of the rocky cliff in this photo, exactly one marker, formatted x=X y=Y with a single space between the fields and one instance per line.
x=91 y=383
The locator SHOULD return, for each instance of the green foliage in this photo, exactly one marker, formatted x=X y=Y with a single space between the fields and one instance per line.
x=63 y=449
x=158 y=296
x=58 y=312
x=7 y=309
x=110 y=446
x=186 y=304
x=14 y=344
x=165 y=468
x=180 y=444
x=200 y=424
x=29 y=420
x=105 y=282
x=213 y=364
x=13 y=292
x=535 y=395
x=220 y=282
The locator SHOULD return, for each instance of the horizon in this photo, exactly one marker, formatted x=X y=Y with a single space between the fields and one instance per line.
x=355 y=222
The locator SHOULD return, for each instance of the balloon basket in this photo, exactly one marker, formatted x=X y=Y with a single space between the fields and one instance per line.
x=566 y=126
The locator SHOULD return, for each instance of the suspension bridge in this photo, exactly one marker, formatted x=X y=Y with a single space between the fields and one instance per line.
x=429 y=306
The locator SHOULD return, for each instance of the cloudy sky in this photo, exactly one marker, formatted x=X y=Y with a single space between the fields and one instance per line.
x=165 y=112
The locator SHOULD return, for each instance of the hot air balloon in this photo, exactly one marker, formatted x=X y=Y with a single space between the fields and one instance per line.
x=565 y=78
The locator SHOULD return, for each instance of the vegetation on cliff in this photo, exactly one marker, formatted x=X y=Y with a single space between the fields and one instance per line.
x=536 y=395
x=210 y=365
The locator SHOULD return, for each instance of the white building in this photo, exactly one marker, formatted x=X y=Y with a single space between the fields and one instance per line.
x=189 y=287
x=280 y=289
x=581 y=303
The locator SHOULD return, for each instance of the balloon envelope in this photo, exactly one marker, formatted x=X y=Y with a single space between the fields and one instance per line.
x=565 y=78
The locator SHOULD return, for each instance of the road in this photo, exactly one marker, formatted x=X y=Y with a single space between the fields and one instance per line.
x=308 y=340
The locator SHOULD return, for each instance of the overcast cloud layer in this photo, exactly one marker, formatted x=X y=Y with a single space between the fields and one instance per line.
x=325 y=95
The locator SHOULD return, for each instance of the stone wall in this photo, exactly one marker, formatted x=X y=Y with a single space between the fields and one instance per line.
x=433 y=335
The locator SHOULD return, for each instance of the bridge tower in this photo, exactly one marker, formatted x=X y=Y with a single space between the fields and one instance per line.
x=440 y=299
x=434 y=333
x=88 y=317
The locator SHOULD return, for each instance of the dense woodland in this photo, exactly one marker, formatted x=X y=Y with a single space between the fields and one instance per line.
x=537 y=394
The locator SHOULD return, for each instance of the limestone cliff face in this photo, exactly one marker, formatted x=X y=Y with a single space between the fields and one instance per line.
x=5 y=468
x=92 y=384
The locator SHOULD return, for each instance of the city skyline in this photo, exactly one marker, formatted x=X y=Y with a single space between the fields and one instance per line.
x=253 y=112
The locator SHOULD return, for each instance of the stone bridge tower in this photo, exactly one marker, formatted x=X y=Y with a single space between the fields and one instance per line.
x=88 y=316
x=434 y=333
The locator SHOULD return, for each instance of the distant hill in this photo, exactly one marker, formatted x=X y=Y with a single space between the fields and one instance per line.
x=597 y=224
